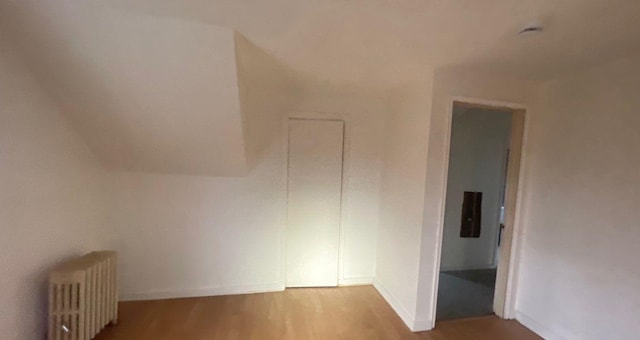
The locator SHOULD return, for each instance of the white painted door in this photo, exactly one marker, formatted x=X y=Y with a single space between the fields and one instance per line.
x=314 y=199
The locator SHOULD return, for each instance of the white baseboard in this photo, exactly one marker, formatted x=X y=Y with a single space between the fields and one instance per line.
x=444 y=268
x=197 y=292
x=538 y=328
x=422 y=325
x=408 y=318
x=359 y=281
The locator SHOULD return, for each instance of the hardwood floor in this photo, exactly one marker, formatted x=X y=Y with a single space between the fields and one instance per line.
x=303 y=313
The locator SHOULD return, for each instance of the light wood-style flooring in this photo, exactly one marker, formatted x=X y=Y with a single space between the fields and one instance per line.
x=302 y=313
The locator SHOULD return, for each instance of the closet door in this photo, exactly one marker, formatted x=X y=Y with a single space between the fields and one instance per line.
x=314 y=200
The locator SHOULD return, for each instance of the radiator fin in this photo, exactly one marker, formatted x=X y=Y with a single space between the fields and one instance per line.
x=83 y=296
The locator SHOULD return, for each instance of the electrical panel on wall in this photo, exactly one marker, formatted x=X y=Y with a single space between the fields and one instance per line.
x=471 y=219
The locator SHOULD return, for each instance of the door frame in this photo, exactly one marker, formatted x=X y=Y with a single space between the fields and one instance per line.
x=505 y=290
x=314 y=115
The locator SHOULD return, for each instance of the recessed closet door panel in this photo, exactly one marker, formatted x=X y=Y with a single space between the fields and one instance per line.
x=314 y=200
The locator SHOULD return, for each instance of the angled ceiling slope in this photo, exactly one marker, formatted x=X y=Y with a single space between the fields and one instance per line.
x=147 y=94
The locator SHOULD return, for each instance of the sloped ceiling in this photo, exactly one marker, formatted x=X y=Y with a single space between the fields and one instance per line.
x=384 y=43
x=152 y=84
x=150 y=94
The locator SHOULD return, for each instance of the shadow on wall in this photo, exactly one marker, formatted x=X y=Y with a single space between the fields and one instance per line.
x=171 y=104
x=60 y=69
x=267 y=91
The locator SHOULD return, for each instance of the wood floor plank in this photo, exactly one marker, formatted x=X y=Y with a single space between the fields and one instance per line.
x=302 y=313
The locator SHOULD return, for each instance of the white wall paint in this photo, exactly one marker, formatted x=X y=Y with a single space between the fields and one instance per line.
x=579 y=274
x=405 y=261
x=401 y=201
x=184 y=235
x=195 y=236
x=364 y=113
x=449 y=83
x=190 y=235
x=267 y=91
x=51 y=202
x=477 y=162
x=146 y=93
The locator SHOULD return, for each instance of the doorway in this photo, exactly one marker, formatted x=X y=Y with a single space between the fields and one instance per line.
x=314 y=193
x=482 y=177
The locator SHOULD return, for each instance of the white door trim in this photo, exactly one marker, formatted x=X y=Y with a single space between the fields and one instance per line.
x=509 y=259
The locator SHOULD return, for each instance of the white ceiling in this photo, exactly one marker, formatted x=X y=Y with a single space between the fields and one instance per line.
x=376 y=42
x=384 y=43
x=151 y=93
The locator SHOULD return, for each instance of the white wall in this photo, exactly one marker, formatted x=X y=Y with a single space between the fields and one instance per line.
x=194 y=236
x=401 y=201
x=266 y=91
x=51 y=201
x=580 y=274
x=477 y=162
x=191 y=235
x=181 y=235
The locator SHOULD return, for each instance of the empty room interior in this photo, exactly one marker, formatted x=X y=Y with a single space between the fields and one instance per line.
x=317 y=169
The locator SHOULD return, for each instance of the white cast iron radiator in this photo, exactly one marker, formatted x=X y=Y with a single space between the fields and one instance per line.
x=83 y=296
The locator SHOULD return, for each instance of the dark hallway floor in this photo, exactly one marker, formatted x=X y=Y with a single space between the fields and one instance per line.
x=465 y=293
